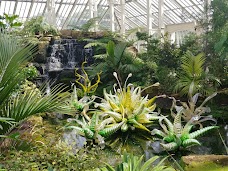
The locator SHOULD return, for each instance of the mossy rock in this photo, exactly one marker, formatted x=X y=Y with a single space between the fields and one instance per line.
x=41 y=56
x=205 y=162
x=36 y=120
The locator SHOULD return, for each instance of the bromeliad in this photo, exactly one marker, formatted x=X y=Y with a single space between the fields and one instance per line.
x=192 y=112
x=177 y=136
x=127 y=107
x=80 y=106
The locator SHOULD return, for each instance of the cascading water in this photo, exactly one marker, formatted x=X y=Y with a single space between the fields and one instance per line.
x=64 y=56
x=67 y=54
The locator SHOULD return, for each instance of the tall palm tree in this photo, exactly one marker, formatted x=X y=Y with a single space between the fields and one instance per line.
x=17 y=106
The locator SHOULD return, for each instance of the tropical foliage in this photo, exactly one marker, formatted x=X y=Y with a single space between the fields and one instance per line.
x=37 y=25
x=117 y=60
x=9 y=121
x=216 y=41
x=175 y=136
x=135 y=163
x=9 y=21
x=190 y=110
x=193 y=74
x=162 y=62
x=20 y=105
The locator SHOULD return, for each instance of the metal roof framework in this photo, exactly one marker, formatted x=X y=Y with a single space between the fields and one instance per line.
x=72 y=13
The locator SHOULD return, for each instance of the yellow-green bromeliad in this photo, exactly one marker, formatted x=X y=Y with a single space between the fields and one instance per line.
x=127 y=108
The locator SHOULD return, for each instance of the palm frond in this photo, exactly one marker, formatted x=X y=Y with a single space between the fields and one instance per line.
x=21 y=106
x=12 y=56
x=193 y=65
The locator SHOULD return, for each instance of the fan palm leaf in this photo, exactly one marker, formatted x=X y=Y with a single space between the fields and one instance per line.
x=12 y=56
x=21 y=106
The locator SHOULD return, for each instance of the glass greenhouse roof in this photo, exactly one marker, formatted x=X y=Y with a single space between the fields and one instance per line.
x=72 y=13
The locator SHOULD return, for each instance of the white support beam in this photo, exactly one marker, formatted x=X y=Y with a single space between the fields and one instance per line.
x=15 y=7
x=90 y=9
x=122 y=15
x=50 y=16
x=60 y=4
x=196 y=6
x=161 y=16
x=207 y=4
x=101 y=18
x=181 y=7
x=95 y=14
x=130 y=19
x=69 y=15
x=144 y=8
x=190 y=26
x=149 y=17
x=112 y=15
x=30 y=9
x=82 y=12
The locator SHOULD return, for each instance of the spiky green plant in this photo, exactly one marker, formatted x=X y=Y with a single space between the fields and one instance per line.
x=85 y=128
x=177 y=136
x=128 y=108
x=79 y=106
x=18 y=106
x=90 y=129
x=85 y=83
x=190 y=110
x=21 y=106
x=135 y=163
x=9 y=121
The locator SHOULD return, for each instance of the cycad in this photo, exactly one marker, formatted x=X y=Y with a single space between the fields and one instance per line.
x=9 y=121
x=21 y=106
